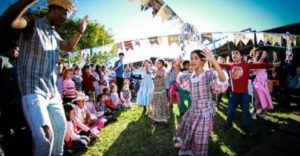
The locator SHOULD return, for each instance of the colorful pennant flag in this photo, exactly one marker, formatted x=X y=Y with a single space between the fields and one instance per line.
x=276 y=40
x=173 y=39
x=128 y=45
x=153 y=40
x=145 y=5
x=119 y=46
x=156 y=6
x=166 y=13
x=137 y=43
x=206 y=38
x=260 y=39
x=268 y=39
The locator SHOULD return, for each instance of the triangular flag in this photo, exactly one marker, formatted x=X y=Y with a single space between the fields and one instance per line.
x=156 y=6
x=153 y=40
x=166 y=13
x=277 y=39
x=173 y=39
x=268 y=39
x=137 y=43
x=128 y=45
x=119 y=46
x=145 y=4
x=206 y=37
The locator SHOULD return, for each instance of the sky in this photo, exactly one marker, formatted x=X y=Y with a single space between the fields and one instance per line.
x=126 y=21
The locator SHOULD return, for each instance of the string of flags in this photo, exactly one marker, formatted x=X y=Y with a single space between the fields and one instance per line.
x=240 y=39
x=189 y=35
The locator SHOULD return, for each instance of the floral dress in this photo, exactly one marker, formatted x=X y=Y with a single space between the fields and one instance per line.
x=159 y=108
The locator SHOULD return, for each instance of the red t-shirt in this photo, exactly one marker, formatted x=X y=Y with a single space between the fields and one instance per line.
x=239 y=74
x=88 y=82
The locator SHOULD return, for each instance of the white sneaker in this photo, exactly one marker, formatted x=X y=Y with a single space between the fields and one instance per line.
x=259 y=111
x=264 y=116
x=254 y=116
x=251 y=110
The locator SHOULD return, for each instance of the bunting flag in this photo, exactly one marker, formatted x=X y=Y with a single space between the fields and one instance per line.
x=145 y=5
x=292 y=39
x=119 y=46
x=276 y=40
x=73 y=54
x=128 y=45
x=156 y=6
x=160 y=40
x=137 y=43
x=95 y=50
x=206 y=38
x=238 y=37
x=166 y=14
x=249 y=40
x=245 y=38
x=85 y=53
x=298 y=40
x=260 y=39
x=268 y=39
x=173 y=39
x=153 y=40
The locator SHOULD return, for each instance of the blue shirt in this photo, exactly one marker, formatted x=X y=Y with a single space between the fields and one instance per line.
x=120 y=70
x=36 y=64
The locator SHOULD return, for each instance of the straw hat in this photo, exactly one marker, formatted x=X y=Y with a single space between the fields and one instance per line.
x=80 y=96
x=66 y=4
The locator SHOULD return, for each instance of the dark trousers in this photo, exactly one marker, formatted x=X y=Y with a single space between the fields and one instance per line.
x=243 y=100
x=14 y=128
x=120 y=81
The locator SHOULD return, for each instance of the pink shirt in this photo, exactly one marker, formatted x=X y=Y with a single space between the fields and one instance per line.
x=69 y=89
x=73 y=129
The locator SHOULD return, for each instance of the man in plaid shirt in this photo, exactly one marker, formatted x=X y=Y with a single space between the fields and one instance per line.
x=39 y=51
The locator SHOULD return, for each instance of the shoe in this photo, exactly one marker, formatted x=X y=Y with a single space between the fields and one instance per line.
x=254 y=116
x=259 y=111
x=264 y=116
x=252 y=110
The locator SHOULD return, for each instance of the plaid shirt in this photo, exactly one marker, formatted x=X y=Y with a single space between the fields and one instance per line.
x=37 y=61
x=202 y=86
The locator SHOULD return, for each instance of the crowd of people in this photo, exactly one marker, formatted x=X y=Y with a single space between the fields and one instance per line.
x=58 y=107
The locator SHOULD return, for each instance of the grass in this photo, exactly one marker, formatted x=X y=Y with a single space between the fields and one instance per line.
x=136 y=134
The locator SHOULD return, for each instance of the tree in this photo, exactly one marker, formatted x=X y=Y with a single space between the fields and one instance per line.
x=94 y=35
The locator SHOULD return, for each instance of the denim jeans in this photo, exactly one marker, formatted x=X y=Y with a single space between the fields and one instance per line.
x=243 y=100
x=40 y=111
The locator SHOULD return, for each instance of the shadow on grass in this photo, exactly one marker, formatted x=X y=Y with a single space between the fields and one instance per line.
x=144 y=137
x=136 y=134
x=233 y=142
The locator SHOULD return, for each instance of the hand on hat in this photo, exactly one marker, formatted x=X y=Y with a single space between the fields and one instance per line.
x=84 y=24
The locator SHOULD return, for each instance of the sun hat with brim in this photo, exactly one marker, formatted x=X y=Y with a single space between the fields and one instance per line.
x=80 y=97
x=66 y=4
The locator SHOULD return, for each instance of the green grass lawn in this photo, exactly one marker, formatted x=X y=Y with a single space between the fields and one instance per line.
x=135 y=134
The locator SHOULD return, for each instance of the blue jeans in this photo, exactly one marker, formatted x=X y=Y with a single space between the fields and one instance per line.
x=243 y=100
x=40 y=111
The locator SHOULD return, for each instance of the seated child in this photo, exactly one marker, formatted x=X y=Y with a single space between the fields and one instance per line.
x=83 y=114
x=101 y=107
x=107 y=100
x=78 y=135
x=115 y=97
x=125 y=95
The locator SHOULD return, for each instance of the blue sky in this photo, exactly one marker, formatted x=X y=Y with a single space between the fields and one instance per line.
x=127 y=21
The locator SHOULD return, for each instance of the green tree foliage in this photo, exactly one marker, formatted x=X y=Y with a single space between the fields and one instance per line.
x=95 y=35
